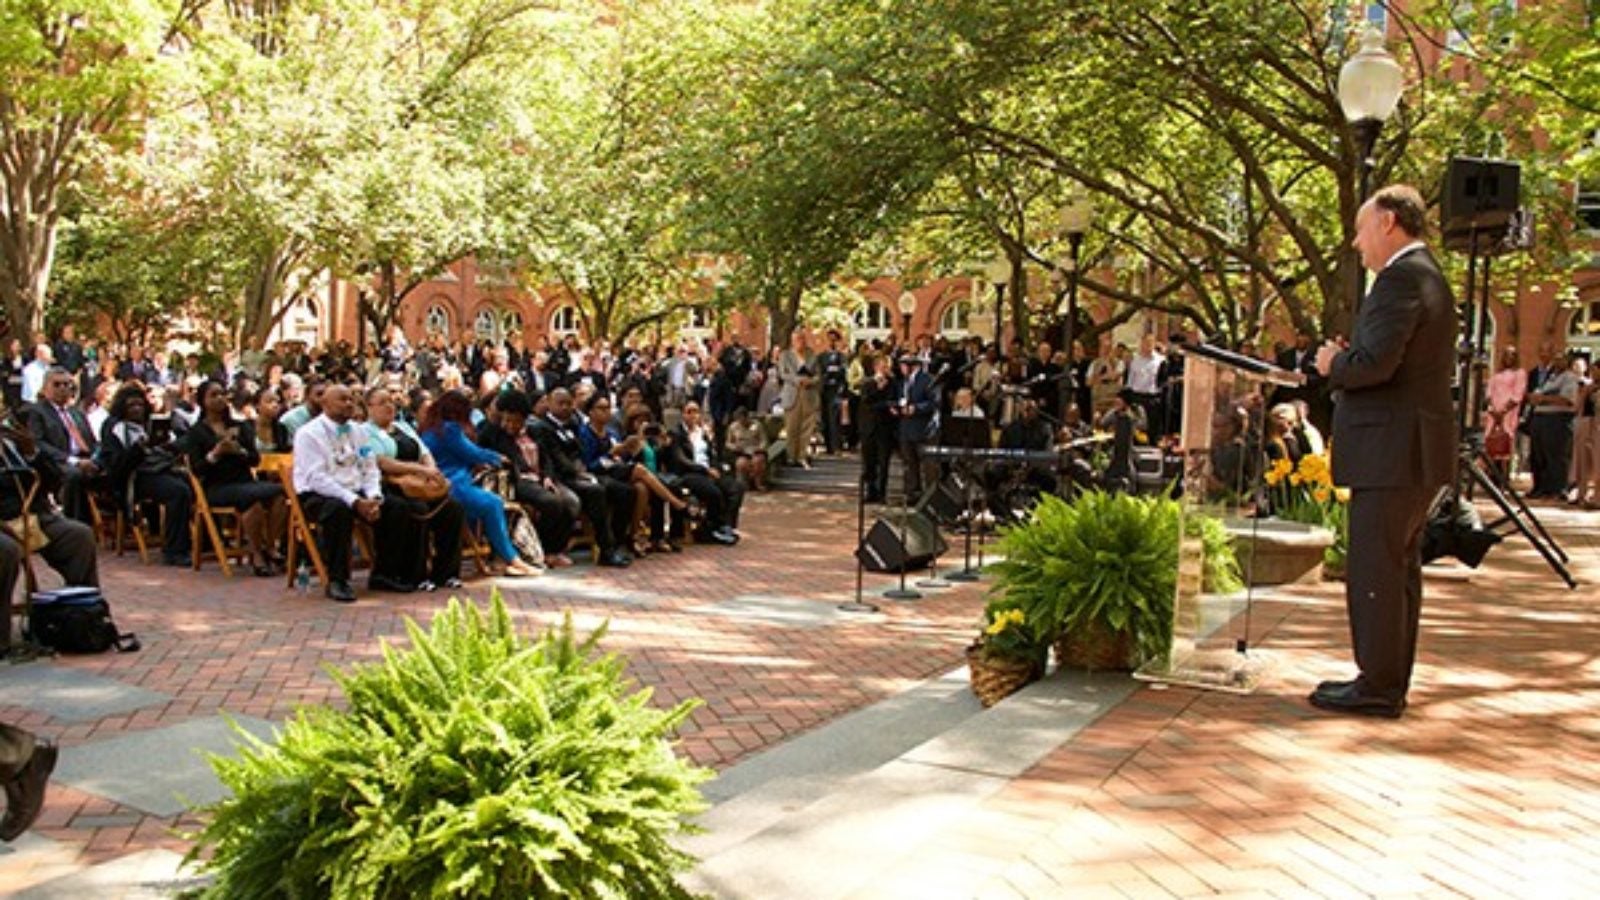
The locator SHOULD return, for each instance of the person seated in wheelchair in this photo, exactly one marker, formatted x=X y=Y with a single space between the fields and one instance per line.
x=1017 y=485
x=144 y=467
x=67 y=545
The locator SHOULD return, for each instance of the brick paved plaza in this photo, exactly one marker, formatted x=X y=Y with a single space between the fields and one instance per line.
x=1489 y=786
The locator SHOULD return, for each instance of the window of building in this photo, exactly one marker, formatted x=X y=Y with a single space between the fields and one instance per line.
x=437 y=321
x=1378 y=16
x=510 y=324
x=953 y=322
x=564 y=320
x=1584 y=327
x=701 y=319
x=1588 y=218
x=873 y=322
x=484 y=325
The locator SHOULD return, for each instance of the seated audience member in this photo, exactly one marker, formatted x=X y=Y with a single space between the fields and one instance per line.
x=447 y=433
x=417 y=524
x=556 y=507
x=223 y=456
x=271 y=435
x=608 y=504
x=607 y=458
x=965 y=405
x=141 y=472
x=62 y=434
x=71 y=547
x=665 y=536
x=692 y=456
x=336 y=477
x=748 y=443
x=308 y=409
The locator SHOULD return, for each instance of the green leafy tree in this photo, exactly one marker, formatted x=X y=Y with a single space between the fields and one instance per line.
x=75 y=78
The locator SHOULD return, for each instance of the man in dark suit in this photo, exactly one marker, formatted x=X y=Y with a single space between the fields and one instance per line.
x=65 y=437
x=916 y=402
x=1395 y=434
x=607 y=502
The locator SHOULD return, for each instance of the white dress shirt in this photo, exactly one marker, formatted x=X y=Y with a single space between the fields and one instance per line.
x=1414 y=245
x=335 y=461
x=1143 y=371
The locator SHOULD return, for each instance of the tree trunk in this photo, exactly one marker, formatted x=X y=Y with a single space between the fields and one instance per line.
x=30 y=248
x=264 y=301
x=785 y=313
x=1017 y=291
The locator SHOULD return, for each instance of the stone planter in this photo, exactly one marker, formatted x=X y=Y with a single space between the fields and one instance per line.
x=1281 y=552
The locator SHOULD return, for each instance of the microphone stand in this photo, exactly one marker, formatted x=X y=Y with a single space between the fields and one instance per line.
x=967 y=573
x=859 y=605
x=903 y=592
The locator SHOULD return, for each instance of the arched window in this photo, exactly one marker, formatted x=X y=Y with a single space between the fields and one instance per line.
x=484 y=326
x=1583 y=330
x=564 y=320
x=437 y=321
x=510 y=324
x=953 y=321
x=873 y=322
x=701 y=321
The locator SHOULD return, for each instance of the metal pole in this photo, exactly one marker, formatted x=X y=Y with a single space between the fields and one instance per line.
x=1366 y=132
x=1070 y=384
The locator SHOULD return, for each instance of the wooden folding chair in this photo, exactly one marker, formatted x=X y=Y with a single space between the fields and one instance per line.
x=113 y=526
x=303 y=534
x=474 y=544
x=227 y=544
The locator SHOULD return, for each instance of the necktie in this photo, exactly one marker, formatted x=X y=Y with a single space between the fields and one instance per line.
x=79 y=445
x=343 y=430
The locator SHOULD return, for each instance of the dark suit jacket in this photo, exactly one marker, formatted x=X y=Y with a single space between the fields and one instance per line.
x=42 y=420
x=1395 y=425
x=924 y=397
x=560 y=451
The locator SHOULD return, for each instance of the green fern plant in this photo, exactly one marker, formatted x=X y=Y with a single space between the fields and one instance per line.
x=475 y=763
x=1222 y=574
x=1106 y=560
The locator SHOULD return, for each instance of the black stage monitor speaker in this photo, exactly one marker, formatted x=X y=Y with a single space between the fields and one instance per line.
x=944 y=502
x=883 y=551
x=1481 y=195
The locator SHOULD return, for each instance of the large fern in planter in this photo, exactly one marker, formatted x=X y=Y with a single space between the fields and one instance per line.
x=473 y=764
x=1107 y=560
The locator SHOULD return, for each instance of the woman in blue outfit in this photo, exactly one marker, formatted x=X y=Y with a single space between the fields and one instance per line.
x=447 y=431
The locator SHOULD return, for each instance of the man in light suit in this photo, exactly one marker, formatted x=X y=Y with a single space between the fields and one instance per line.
x=1394 y=438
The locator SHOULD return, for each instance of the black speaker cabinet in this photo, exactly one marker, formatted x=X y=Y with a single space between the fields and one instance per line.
x=944 y=502
x=883 y=550
x=1480 y=195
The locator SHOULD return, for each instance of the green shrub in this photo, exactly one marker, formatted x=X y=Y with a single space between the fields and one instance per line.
x=1222 y=574
x=1105 y=559
x=473 y=764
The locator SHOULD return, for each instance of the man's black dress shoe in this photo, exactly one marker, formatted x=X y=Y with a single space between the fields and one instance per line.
x=1352 y=698
x=25 y=792
x=339 y=592
x=616 y=559
x=382 y=583
x=1328 y=686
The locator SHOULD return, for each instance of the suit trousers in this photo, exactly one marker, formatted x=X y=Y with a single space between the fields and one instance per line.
x=16 y=748
x=609 y=505
x=336 y=525
x=1383 y=584
x=799 y=424
x=71 y=552
x=555 y=512
x=1551 y=435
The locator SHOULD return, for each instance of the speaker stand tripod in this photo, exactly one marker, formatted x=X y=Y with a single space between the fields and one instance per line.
x=859 y=605
x=902 y=592
x=967 y=573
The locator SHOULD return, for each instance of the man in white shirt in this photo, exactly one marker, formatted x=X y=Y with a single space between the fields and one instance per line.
x=336 y=478
x=1144 y=379
x=33 y=373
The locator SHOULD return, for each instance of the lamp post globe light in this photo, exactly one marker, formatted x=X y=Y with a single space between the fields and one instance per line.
x=1076 y=218
x=998 y=273
x=908 y=308
x=1369 y=90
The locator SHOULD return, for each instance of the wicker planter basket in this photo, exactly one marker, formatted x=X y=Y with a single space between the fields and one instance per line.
x=1095 y=648
x=994 y=680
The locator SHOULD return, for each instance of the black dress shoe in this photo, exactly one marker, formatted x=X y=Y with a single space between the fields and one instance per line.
x=616 y=559
x=1354 y=699
x=1330 y=686
x=25 y=792
x=384 y=583
x=339 y=592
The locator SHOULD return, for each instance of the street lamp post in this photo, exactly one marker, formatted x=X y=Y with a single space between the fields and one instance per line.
x=1076 y=217
x=1369 y=90
x=908 y=308
x=999 y=275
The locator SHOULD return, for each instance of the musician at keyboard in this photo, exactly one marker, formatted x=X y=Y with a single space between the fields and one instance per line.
x=1031 y=433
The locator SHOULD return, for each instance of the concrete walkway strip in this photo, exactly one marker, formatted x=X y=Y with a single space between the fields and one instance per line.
x=162 y=771
x=69 y=695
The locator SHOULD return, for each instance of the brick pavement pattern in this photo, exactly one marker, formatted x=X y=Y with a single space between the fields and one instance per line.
x=1488 y=787
x=245 y=646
